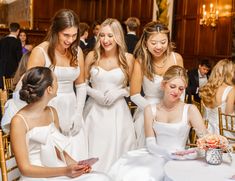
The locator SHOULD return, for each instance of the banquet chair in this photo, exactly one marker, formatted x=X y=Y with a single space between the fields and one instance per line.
x=132 y=107
x=199 y=105
x=8 y=85
x=9 y=169
x=226 y=125
x=3 y=99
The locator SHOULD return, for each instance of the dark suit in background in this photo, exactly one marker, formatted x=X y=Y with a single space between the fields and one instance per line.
x=91 y=43
x=131 y=41
x=10 y=55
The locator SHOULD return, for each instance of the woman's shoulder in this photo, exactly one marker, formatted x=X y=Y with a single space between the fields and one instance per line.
x=178 y=58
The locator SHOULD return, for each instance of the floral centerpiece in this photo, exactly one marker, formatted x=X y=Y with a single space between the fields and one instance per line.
x=214 y=146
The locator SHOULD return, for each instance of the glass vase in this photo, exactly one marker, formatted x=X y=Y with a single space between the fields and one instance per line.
x=214 y=156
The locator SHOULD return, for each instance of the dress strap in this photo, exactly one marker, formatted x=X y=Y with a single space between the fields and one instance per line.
x=174 y=57
x=226 y=92
x=25 y=122
x=47 y=59
x=52 y=113
x=154 y=110
x=185 y=113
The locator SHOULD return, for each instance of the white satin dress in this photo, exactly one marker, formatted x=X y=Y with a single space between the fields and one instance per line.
x=41 y=143
x=65 y=105
x=211 y=114
x=110 y=129
x=140 y=165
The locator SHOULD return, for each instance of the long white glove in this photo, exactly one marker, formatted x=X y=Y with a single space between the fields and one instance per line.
x=140 y=101
x=77 y=117
x=112 y=95
x=154 y=148
x=96 y=94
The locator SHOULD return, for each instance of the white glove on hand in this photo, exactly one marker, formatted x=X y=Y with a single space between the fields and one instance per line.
x=154 y=148
x=140 y=101
x=77 y=120
x=97 y=95
x=112 y=95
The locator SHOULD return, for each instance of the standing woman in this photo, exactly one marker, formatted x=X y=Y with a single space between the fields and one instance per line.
x=61 y=52
x=107 y=117
x=26 y=47
x=154 y=56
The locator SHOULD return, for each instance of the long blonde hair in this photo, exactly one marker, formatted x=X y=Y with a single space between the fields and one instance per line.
x=141 y=52
x=222 y=72
x=121 y=47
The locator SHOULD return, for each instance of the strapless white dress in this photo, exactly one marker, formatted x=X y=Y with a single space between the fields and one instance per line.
x=140 y=165
x=41 y=143
x=110 y=129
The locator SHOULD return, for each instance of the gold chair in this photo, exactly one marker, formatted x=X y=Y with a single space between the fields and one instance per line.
x=8 y=85
x=3 y=99
x=198 y=104
x=132 y=107
x=226 y=125
x=9 y=169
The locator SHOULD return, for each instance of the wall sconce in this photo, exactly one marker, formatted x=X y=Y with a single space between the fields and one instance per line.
x=209 y=18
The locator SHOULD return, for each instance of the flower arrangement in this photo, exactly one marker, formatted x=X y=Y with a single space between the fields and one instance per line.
x=213 y=141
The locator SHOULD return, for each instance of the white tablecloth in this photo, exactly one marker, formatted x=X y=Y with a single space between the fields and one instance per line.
x=199 y=170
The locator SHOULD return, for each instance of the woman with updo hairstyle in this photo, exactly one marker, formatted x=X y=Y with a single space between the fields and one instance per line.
x=41 y=151
x=154 y=55
x=218 y=92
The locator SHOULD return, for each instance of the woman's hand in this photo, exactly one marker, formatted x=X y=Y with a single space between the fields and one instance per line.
x=76 y=170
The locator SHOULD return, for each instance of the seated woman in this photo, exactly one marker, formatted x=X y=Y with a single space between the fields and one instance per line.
x=40 y=149
x=219 y=92
x=167 y=125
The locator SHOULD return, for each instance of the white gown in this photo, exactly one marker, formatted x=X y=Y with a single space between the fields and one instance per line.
x=65 y=105
x=140 y=165
x=41 y=143
x=153 y=94
x=211 y=114
x=110 y=129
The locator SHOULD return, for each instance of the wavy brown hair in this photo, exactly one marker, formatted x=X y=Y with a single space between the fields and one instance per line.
x=64 y=18
x=121 y=47
x=222 y=72
x=141 y=52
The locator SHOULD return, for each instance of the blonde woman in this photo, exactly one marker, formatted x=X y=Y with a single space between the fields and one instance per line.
x=154 y=54
x=108 y=120
x=219 y=92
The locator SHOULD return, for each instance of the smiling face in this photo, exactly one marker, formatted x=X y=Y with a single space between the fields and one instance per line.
x=107 y=40
x=174 y=88
x=22 y=36
x=67 y=36
x=157 y=44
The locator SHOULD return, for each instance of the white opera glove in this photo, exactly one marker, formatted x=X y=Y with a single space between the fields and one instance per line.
x=96 y=94
x=156 y=149
x=112 y=95
x=77 y=119
x=140 y=101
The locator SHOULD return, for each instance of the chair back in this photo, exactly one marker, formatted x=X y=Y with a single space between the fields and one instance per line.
x=227 y=125
x=8 y=85
x=3 y=100
x=198 y=104
x=9 y=169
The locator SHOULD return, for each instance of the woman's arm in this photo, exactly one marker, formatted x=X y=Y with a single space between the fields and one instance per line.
x=136 y=79
x=230 y=108
x=88 y=61
x=148 y=122
x=195 y=119
x=130 y=61
x=36 y=58
x=81 y=77
x=18 y=142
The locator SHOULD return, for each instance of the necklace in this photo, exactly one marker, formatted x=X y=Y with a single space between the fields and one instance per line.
x=162 y=64
x=62 y=54
x=167 y=108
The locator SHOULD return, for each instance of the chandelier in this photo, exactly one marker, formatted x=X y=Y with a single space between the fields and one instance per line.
x=209 y=18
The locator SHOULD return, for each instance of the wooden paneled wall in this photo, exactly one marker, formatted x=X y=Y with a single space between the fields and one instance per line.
x=195 y=41
x=91 y=10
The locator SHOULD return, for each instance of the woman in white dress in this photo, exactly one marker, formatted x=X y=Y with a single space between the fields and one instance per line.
x=219 y=92
x=61 y=52
x=154 y=56
x=40 y=149
x=167 y=125
x=107 y=117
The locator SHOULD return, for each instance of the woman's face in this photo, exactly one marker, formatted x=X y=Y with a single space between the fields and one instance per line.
x=157 y=44
x=67 y=36
x=174 y=88
x=107 y=40
x=22 y=36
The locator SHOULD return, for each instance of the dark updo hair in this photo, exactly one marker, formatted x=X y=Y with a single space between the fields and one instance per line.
x=34 y=83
